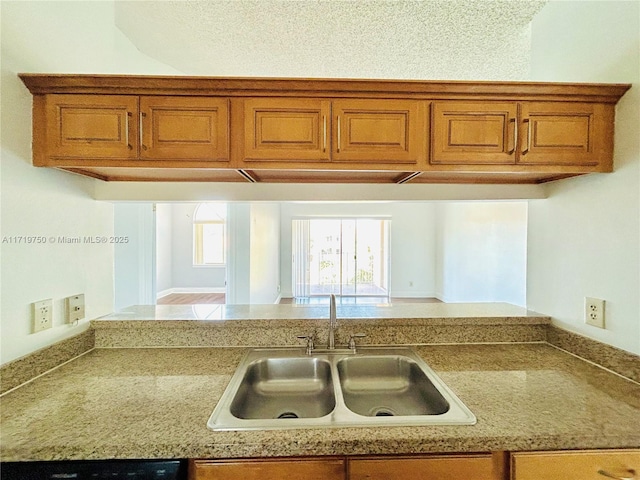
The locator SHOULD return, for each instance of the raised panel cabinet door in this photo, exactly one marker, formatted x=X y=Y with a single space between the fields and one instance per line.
x=287 y=129
x=91 y=126
x=565 y=133
x=298 y=469
x=576 y=465
x=184 y=128
x=472 y=133
x=379 y=131
x=449 y=467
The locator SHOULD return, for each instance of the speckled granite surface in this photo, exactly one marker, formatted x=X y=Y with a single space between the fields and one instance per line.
x=624 y=363
x=279 y=325
x=24 y=369
x=152 y=403
x=435 y=311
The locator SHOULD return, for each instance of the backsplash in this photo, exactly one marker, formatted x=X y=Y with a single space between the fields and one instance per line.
x=30 y=366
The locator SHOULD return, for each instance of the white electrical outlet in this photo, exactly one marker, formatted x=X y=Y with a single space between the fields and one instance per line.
x=594 y=311
x=74 y=308
x=42 y=315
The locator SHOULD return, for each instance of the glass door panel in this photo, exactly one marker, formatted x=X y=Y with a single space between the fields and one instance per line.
x=349 y=282
x=369 y=257
x=325 y=258
x=347 y=257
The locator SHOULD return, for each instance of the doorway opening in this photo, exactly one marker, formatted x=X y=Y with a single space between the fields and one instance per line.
x=347 y=257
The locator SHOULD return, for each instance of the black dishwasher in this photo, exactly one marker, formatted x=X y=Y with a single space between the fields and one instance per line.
x=95 y=470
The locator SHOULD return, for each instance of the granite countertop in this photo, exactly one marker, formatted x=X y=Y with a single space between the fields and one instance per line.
x=155 y=403
x=279 y=325
x=429 y=313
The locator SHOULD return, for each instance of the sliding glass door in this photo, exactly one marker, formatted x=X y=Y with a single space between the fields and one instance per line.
x=343 y=256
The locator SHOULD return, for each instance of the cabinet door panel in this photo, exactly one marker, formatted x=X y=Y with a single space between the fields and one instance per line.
x=176 y=128
x=583 y=465
x=467 y=133
x=379 y=131
x=450 y=467
x=92 y=126
x=286 y=129
x=303 y=469
x=563 y=134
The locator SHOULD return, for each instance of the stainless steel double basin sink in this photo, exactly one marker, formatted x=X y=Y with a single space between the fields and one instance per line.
x=284 y=388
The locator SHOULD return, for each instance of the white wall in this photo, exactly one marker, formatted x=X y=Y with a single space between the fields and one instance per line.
x=134 y=255
x=264 y=273
x=238 y=254
x=584 y=239
x=164 y=247
x=412 y=250
x=253 y=257
x=44 y=37
x=482 y=252
x=184 y=273
x=412 y=240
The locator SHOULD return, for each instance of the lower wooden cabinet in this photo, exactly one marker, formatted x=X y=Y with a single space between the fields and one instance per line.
x=576 y=465
x=292 y=468
x=559 y=465
x=485 y=466
x=432 y=467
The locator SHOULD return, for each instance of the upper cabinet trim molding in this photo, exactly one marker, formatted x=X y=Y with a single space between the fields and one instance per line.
x=41 y=84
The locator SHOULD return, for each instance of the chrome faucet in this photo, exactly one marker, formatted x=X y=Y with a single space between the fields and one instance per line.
x=333 y=322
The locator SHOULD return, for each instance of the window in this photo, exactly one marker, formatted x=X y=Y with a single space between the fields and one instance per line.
x=209 y=233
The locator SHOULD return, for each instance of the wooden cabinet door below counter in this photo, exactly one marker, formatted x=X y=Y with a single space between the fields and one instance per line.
x=576 y=465
x=298 y=469
x=435 y=467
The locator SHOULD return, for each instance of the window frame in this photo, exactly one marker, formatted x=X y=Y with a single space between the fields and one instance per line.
x=198 y=240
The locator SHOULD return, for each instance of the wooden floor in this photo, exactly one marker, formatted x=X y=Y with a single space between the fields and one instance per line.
x=192 y=299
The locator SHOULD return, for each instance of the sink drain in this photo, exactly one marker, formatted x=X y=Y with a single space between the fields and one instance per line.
x=382 y=412
x=288 y=415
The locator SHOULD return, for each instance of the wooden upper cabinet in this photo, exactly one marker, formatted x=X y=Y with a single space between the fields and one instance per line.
x=566 y=134
x=473 y=133
x=96 y=126
x=379 y=131
x=576 y=465
x=321 y=130
x=295 y=468
x=562 y=134
x=287 y=129
x=194 y=128
x=191 y=128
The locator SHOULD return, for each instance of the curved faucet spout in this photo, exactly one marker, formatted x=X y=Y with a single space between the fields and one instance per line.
x=333 y=322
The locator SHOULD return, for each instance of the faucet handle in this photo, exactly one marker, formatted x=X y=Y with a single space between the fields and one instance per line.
x=309 y=346
x=352 y=340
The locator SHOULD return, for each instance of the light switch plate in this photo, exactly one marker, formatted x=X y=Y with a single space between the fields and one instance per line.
x=42 y=315
x=74 y=308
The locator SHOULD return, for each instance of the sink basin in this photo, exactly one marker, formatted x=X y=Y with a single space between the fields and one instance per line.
x=383 y=385
x=285 y=388
x=282 y=388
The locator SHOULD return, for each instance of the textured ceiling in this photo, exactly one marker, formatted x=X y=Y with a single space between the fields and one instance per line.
x=455 y=39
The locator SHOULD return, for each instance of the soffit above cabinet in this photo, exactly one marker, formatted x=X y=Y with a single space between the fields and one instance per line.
x=293 y=130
